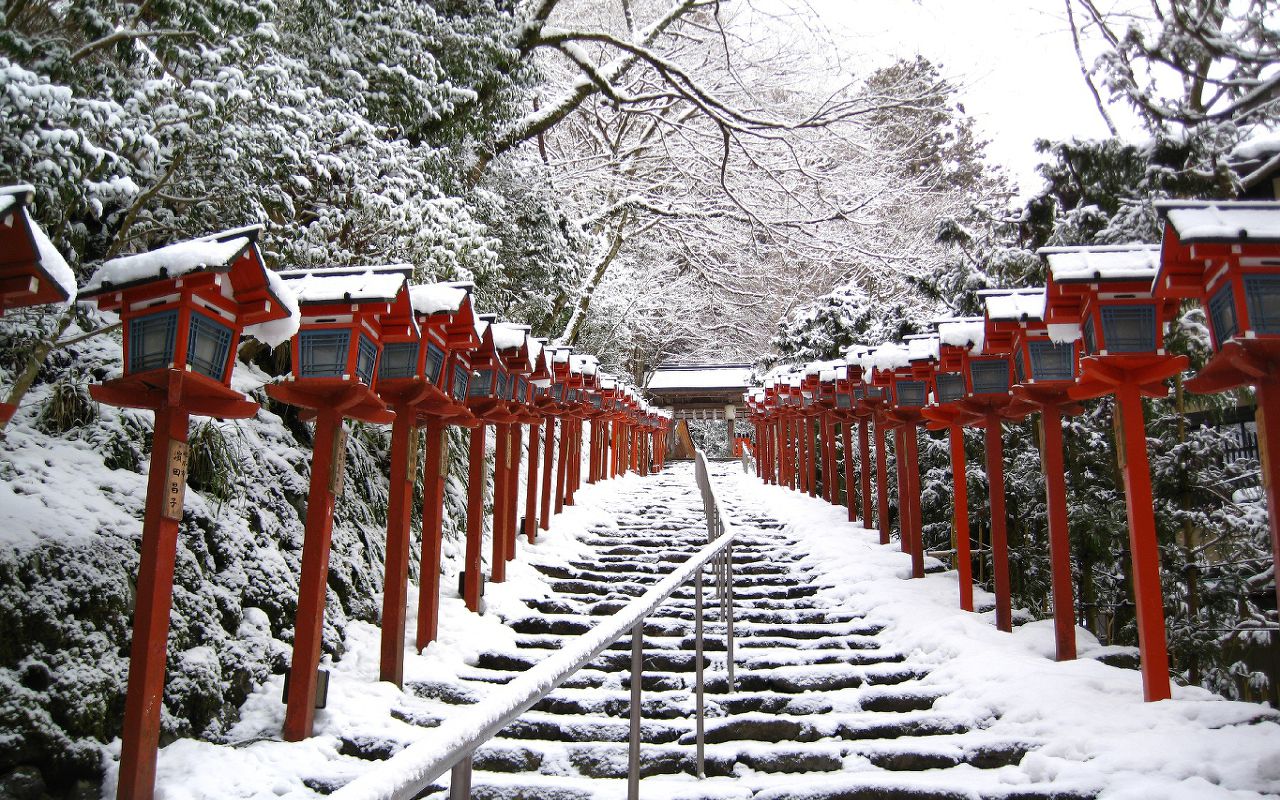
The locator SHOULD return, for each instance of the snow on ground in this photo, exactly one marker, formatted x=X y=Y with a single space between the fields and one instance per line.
x=1090 y=729
x=1094 y=727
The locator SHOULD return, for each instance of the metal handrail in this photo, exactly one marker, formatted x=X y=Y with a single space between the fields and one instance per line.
x=451 y=745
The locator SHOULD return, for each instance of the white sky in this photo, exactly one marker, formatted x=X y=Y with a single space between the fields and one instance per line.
x=1013 y=59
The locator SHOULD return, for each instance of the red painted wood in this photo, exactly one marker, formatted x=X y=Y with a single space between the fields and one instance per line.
x=434 y=445
x=904 y=489
x=1142 y=545
x=850 y=498
x=999 y=531
x=1055 y=491
x=396 y=562
x=471 y=561
x=864 y=462
x=516 y=454
x=548 y=460
x=825 y=441
x=531 y=485
x=882 y=481
x=1267 y=393
x=300 y=707
x=960 y=515
x=811 y=454
x=144 y=699
x=501 y=473
x=562 y=463
x=575 y=461
x=914 y=526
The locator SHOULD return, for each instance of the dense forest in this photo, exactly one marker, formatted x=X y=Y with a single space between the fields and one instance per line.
x=646 y=180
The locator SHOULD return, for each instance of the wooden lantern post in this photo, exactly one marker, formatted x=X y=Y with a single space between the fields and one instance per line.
x=347 y=315
x=1226 y=255
x=413 y=380
x=945 y=412
x=910 y=393
x=541 y=412
x=425 y=384
x=515 y=350
x=875 y=395
x=1108 y=291
x=32 y=271
x=1046 y=364
x=863 y=413
x=182 y=309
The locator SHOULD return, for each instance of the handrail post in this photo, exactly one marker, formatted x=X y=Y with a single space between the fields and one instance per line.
x=460 y=780
x=637 y=678
x=697 y=662
x=729 y=618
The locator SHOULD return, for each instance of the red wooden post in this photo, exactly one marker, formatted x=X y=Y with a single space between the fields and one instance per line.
x=435 y=445
x=864 y=463
x=548 y=455
x=882 y=481
x=999 y=534
x=1267 y=394
x=326 y=465
x=1055 y=489
x=575 y=460
x=153 y=601
x=515 y=452
x=501 y=469
x=960 y=515
x=912 y=453
x=1142 y=544
x=811 y=443
x=472 y=566
x=850 y=498
x=824 y=442
x=904 y=490
x=396 y=563
x=531 y=485
x=562 y=463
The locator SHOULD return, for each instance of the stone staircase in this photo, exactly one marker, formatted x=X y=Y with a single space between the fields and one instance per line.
x=819 y=709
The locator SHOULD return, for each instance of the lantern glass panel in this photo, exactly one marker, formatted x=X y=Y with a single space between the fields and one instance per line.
x=366 y=359
x=911 y=393
x=859 y=392
x=501 y=391
x=596 y=400
x=989 y=377
x=461 y=377
x=324 y=353
x=844 y=400
x=1262 y=293
x=1090 y=336
x=557 y=392
x=399 y=360
x=151 y=341
x=950 y=387
x=573 y=396
x=481 y=384
x=522 y=390
x=1019 y=367
x=1222 y=314
x=1051 y=361
x=208 y=344
x=435 y=361
x=1129 y=329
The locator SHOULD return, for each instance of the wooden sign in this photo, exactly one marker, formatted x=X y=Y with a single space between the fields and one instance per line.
x=338 y=464
x=175 y=487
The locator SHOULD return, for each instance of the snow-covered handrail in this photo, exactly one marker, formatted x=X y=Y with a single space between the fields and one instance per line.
x=451 y=744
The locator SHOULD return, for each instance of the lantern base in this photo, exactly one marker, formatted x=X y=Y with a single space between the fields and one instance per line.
x=1238 y=363
x=351 y=399
x=155 y=389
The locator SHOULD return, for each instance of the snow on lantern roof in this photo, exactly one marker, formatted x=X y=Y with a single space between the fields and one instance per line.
x=438 y=298
x=560 y=355
x=923 y=347
x=1221 y=221
x=962 y=332
x=217 y=251
x=890 y=356
x=348 y=284
x=608 y=382
x=50 y=260
x=701 y=376
x=1014 y=305
x=509 y=336
x=583 y=363
x=276 y=332
x=1102 y=263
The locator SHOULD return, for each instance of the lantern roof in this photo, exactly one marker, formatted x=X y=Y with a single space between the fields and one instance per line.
x=922 y=347
x=509 y=336
x=214 y=253
x=1098 y=263
x=964 y=332
x=1014 y=305
x=14 y=202
x=439 y=298
x=584 y=364
x=1222 y=221
x=890 y=356
x=382 y=284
